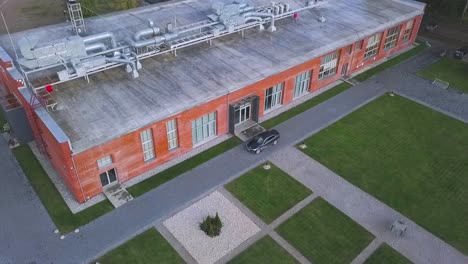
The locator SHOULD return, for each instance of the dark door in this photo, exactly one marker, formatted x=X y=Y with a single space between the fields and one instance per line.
x=344 y=70
x=108 y=177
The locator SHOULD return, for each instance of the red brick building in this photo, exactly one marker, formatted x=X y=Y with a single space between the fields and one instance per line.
x=112 y=127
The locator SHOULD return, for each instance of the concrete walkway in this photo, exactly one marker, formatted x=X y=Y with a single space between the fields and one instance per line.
x=33 y=241
x=418 y=245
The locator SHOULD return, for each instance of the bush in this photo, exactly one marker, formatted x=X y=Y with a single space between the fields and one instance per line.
x=211 y=225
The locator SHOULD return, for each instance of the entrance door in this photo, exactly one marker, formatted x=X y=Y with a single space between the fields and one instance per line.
x=242 y=113
x=344 y=70
x=108 y=177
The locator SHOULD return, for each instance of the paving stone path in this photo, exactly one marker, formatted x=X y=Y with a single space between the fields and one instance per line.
x=418 y=245
x=25 y=232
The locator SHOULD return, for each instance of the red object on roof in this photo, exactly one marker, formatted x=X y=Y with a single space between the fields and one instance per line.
x=296 y=16
x=49 y=88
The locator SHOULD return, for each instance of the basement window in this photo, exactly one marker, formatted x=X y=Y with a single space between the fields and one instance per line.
x=408 y=29
x=328 y=66
x=147 y=144
x=104 y=162
x=392 y=37
x=372 y=48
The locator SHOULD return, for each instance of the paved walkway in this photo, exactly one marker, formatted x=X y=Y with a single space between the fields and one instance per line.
x=418 y=245
x=26 y=230
x=266 y=229
x=33 y=226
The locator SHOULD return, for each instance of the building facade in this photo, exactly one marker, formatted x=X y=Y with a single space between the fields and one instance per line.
x=87 y=172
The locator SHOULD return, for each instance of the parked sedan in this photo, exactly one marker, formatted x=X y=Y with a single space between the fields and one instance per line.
x=262 y=140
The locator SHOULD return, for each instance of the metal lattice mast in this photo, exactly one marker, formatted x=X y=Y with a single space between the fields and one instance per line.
x=76 y=16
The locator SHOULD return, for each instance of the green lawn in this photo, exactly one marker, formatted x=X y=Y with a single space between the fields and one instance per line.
x=172 y=172
x=92 y=7
x=410 y=157
x=270 y=123
x=2 y=121
x=64 y=219
x=266 y=250
x=449 y=70
x=58 y=210
x=389 y=63
x=386 y=255
x=148 y=247
x=268 y=193
x=325 y=235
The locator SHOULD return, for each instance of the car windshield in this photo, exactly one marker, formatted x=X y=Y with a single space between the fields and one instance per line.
x=259 y=140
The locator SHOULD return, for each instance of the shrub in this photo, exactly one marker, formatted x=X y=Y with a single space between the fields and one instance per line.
x=211 y=225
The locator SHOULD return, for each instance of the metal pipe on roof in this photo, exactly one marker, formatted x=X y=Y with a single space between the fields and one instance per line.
x=96 y=46
x=101 y=36
x=153 y=41
x=272 y=27
x=146 y=32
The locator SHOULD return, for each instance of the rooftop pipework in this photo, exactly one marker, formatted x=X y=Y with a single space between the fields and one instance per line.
x=81 y=56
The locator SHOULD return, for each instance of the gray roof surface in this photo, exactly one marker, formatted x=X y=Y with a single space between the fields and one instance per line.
x=113 y=103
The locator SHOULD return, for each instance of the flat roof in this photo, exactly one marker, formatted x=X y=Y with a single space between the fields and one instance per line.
x=113 y=103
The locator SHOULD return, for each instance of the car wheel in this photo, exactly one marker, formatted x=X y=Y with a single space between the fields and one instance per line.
x=275 y=142
x=257 y=151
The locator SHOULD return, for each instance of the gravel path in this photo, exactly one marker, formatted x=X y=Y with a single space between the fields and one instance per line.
x=237 y=228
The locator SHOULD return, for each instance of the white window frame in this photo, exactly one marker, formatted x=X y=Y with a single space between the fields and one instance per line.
x=302 y=84
x=146 y=137
x=104 y=162
x=328 y=65
x=392 y=37
x=373 y=45
x=273 y=97
x=203 y=128
x=408 y=30
x=171 y=129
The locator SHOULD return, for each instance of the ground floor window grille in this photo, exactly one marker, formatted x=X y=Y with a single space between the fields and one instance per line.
x=302 y=84
x=408 y=29
x=273 y=96
x=372 y=47
x=392 y=37
x=147 y=143
x=171 y=128
x=203 y=128
x=329 y=65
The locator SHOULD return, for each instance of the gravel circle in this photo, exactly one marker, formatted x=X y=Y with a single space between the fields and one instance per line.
x=237 y=228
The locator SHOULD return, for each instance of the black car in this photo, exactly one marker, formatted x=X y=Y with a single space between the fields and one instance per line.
x=461 y=52
x=262 y=140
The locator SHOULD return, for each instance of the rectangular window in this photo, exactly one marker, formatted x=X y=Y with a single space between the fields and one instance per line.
x=372 y=47
x=408 y=29
x=147 y=143
x=203 y=128
x=273 y=96
x=302 y=84
x=349 y=50
x=392 y=37
x=328 y=66
x=171 y=128
x=359 y=45
x=104 y=162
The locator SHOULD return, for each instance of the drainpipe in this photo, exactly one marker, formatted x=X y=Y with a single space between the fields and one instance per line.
x=78 y=178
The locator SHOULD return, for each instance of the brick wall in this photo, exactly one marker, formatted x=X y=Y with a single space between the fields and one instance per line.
x=126 y=151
